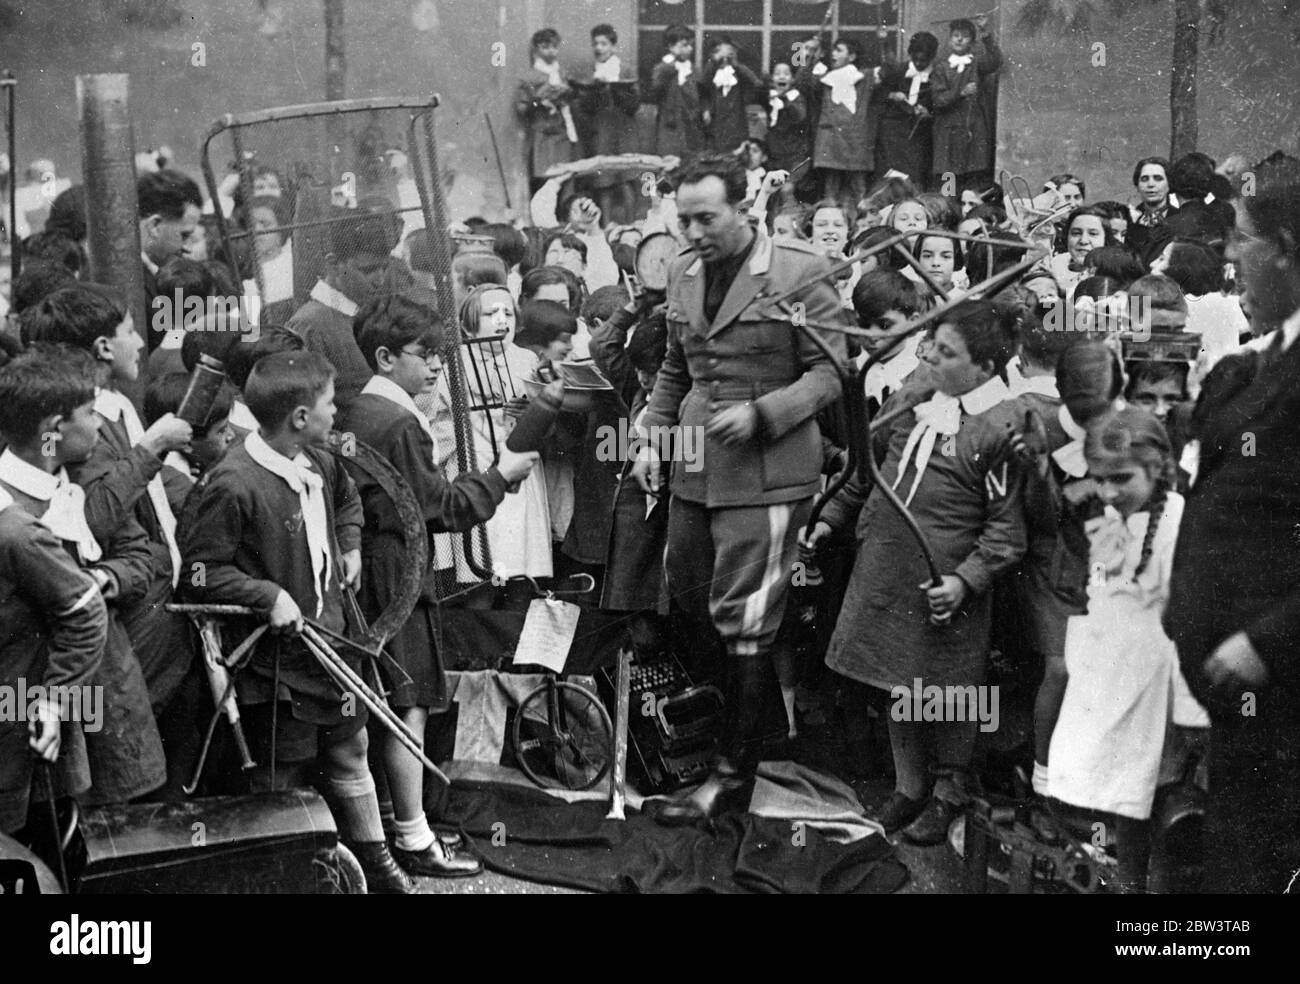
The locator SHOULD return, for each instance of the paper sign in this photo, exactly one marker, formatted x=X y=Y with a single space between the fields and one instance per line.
x=548 y=633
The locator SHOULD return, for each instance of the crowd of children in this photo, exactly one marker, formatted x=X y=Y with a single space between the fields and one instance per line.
x=1041 y=439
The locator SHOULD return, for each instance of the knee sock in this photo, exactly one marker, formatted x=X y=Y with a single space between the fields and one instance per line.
x=911 y=778
x=414 y=835
x=356 y=809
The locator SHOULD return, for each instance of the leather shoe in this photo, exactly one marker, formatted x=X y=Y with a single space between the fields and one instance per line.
x=723 y=792
x=383 y=876
x=899 y=810
x=438 y=861
x=931 y=827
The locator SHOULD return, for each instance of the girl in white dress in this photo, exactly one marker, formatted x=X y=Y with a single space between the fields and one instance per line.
x=1123 y=670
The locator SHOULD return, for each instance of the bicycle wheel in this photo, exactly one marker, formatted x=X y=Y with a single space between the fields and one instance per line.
x=563 y=737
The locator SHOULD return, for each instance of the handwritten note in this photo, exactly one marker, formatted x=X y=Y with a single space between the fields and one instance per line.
x=548 y=633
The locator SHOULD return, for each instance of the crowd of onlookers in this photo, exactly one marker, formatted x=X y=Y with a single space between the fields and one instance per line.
x=1129 y=572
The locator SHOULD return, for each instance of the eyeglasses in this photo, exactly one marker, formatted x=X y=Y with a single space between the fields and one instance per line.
x=429 y=358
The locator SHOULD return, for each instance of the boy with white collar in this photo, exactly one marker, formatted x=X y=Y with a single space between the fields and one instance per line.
x=278 y=528
x=964 y=90
x=542 y=104
x=844 y=146
x=606 y=118
x=50 y=426
x=675 y=89
x=400 y=339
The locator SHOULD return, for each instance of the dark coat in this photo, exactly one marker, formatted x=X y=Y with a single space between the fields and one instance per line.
x=728 y=124
x=843 y=141
x=53 y=626
x=746 y=355
x=606 y=119
x=546 y=139
x=328 y=333
x=787 y=142
x=248 y=539
x=679 y=129
x=964 y=140
x=904 y=139
x=1237 y=564
x=971 y=513
x=447 y=504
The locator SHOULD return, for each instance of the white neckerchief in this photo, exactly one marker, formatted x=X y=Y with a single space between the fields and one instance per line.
x=1042 y=385
x=1290 y=330
x=336 y=300
x=725 y=79
x=919 y=78
x=114 y=406
x=754 y=182
x=777 y=102
x=241 y=416
x=310 y=487
x=65 y=516
x=844 y=86
x=1070 y=455
x=383 y=387
x=179 y=462
x=552 y=73
x=960 y=62
x=941 y=414
x=173 y=338
x=609 y=70
x=684 y=68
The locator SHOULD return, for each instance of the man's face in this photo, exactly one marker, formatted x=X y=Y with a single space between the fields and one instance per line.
x=360 y=277
x=708 y=222
x=601 y=48
x=165 y=239
x=78 y=433
x=1272 y=292
x=125 y=346
x=318 y=420
x=960 y=42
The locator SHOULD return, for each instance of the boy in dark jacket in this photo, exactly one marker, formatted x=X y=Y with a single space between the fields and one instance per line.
x=401 y=339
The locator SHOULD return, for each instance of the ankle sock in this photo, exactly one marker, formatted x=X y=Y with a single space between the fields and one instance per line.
x=413 y=835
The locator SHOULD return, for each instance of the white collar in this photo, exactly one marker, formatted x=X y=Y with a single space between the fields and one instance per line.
x=1072 y=430
x=149 y=264
x=242 y=417
x=959 y=61
x=294 y=471
x=336 y=300
x=1042 y=385
x=550 y=69
x=985 y=396
x=112 y=405
x=609 y=70
x=28 y=479
x=916 y=73
x=1070 y=456
x=383 y=386
x=173 y=338
x=1290 y=329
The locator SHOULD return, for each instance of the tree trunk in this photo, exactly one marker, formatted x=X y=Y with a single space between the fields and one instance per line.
x=336 y=66
x=1182 y=81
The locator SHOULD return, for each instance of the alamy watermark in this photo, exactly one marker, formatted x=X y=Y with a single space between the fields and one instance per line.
x=1130 y=314
x=931 y=702
x=21 y=704
x=671 y=443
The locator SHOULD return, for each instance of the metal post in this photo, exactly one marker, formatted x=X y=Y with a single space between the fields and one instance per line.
x=108 y=169
x=10 y=85
x=335 y=60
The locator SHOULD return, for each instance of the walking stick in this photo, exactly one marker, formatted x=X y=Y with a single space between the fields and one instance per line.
x=47 y=782
x=496 y=152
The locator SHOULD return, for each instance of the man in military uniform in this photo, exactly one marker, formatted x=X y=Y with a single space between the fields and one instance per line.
x=751 y=384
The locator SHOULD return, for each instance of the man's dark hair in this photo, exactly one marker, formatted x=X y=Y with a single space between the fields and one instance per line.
x=542 y=322
x=74 y=315
x=725 y=167
x=923 y=43
x=884 y=290
x=393 y=322
x=282 y=382
x=606 y=31
x=37 y=281
x=547 y=35
x=240 y=359
x=604 y=303
x=166 y=193
x=68 y=213
x=40 y=383
x=541 y=276
x=677 y=32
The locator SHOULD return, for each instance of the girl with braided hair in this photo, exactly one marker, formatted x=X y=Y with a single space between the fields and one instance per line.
x=1123 y=680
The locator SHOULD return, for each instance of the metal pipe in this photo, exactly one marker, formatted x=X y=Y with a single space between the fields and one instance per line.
x=108 y=170
x=10 y=85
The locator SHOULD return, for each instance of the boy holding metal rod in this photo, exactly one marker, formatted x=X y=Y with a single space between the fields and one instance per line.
x=278 y=529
